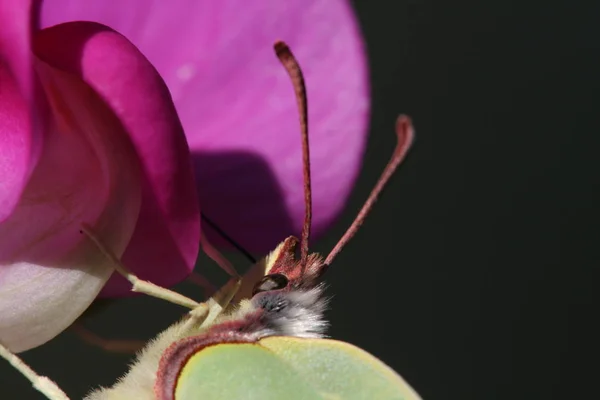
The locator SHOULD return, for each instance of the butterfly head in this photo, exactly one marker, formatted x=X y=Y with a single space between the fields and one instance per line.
x=284 y=271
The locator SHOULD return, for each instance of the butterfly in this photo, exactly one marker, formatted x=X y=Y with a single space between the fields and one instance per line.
x=263 y=336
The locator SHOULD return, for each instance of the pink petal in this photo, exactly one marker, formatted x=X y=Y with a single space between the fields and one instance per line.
x=87 y=173
x=165 y=243
x=237 y=105
x=17 y=139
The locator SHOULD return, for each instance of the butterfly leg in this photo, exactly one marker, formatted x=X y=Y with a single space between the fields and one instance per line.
x=212 y=252
x=218 y=301
x=216 y=256
x=138 y=284
x=208 y=289
x=109 y=345
x=207 y=312
x=41 y=383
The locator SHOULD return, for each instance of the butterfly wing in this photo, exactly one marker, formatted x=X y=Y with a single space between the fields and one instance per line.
x=289 y=368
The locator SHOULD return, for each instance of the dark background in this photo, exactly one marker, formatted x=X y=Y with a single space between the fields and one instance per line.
x=473 y=275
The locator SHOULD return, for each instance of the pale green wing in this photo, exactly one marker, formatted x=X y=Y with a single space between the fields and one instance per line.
x=341 y=370
x=241 y=371
x=291 y=369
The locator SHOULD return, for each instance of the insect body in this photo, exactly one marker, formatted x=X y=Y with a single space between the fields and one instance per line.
x=268 y=342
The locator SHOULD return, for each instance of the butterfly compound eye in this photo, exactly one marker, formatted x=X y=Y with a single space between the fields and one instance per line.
x=270 y=282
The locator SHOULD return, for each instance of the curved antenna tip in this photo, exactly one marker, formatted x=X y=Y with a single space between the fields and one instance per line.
x=280 y=46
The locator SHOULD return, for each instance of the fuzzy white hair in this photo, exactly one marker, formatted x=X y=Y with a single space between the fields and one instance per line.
x=298 y=313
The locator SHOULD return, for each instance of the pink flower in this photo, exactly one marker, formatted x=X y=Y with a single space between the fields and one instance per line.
x=237 y=105
x=88 y=134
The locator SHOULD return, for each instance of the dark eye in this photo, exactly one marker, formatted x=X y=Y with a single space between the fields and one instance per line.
x=270 y=282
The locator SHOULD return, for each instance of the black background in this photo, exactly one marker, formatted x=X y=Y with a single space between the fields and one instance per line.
x=473 y=275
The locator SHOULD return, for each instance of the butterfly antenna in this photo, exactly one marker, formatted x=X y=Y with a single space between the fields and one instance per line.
x=293 y=69
x=405 y=134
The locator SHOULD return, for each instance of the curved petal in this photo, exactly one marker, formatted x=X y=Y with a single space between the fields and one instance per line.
x=237 y=105
x=87 y=173
x=18 y=143
x=165 y=244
